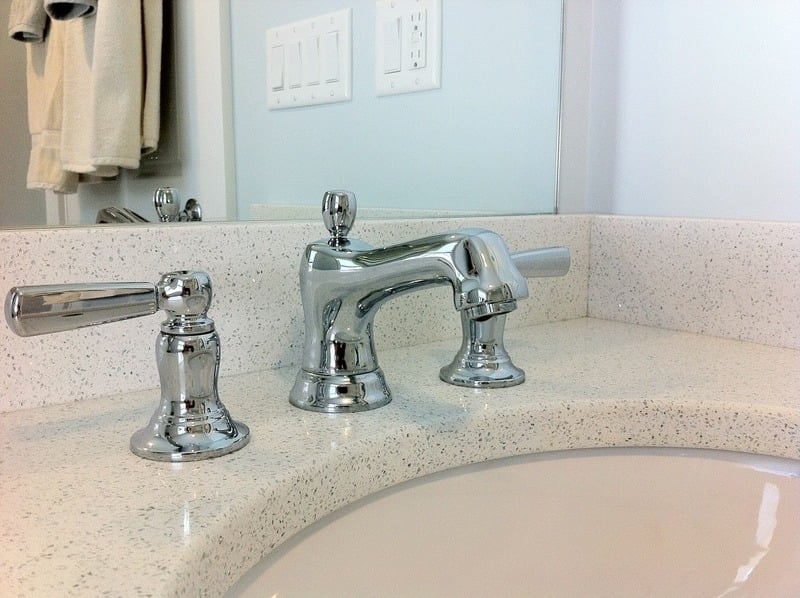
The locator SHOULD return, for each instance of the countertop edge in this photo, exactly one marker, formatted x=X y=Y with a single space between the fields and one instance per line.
x=733 y=426
x=591 y=383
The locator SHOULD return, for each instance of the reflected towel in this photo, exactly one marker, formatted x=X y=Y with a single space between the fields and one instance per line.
x=62 y=11
x=45 y=112
x=113 y=120
x=27 y=21
x=94 y=91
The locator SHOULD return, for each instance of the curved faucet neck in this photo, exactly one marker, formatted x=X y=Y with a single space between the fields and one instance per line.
x=343 y=286
x=476 y=262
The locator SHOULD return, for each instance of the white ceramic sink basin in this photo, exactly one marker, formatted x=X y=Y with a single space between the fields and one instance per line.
x=601 y=522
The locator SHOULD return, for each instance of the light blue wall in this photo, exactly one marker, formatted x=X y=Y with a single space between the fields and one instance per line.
x=486 y=140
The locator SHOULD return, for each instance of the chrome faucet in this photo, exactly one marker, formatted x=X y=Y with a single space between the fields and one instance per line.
x=168 y=208
x=482 y=361
x=343 y=283
x=190 y=423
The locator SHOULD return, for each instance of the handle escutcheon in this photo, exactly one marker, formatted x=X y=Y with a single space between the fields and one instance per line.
x=482 y=361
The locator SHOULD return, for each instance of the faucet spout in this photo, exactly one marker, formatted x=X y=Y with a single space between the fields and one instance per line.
x=344 y=282
x=474 y=262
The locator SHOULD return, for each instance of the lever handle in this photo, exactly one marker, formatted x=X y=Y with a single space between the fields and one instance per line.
x=42 y=309
x=539 y=263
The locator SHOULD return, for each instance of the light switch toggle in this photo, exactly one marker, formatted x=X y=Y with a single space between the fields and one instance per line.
x=392 y=58
x=310 y=56
x=293 y=65
x=329 y=57
x=276 y=67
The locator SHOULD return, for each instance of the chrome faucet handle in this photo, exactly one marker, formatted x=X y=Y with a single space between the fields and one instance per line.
x=168 y=207
x=339 y=215
x=190 y=423
x=482 y=361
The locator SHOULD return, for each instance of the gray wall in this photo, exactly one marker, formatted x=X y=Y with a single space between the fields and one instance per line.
x=18 y=206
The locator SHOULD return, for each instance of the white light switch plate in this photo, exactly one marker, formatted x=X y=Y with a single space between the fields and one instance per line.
x=420 y=40
x=310 y=62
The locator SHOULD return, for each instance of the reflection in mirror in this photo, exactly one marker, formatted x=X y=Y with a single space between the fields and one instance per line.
x=18 y=205
x=485 y=142
x=90 y=85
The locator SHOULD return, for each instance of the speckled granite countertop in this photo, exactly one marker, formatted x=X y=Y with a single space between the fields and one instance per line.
x=83 y=516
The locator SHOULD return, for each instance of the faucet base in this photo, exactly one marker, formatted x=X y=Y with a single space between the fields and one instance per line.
x=493 y=374
x=482 y=361
x=180 y=438
x=340 y=394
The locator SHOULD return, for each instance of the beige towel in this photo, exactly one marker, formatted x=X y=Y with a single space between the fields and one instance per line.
x=108 y=83
x=27 y=20
x=45 y=111
x=93 y=94
x=153 y=31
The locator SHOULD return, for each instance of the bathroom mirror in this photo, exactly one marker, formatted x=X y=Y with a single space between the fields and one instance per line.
x=485 y=142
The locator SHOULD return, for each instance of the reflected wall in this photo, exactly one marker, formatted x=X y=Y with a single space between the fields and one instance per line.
x=486 y=142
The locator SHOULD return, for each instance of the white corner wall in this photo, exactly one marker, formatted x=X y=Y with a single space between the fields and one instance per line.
x=694 y=108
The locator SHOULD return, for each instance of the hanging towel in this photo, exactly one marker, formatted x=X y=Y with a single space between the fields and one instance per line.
x=153 y=32
x=112 y=74
x=45 y=111
x=94 y=91
x=61 y=11
x=27 y=20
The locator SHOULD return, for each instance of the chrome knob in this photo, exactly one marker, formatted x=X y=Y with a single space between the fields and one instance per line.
x=185 y=297
x=191 y=422
x=165 y=199
x=339 y=215
x=168 y=206
x=193 y=212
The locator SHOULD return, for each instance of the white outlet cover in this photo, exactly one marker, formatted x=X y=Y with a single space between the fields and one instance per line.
x=409 y=79
x=319 y=91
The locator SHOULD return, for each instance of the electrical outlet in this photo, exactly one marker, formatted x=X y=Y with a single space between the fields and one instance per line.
x=408 y=46
x=418 y=39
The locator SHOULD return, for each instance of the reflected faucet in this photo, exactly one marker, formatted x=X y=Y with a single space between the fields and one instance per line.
x=167 y=205
x=343 y=283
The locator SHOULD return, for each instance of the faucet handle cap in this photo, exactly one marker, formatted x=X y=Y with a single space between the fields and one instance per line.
x=167 y=204
x=338 y=214
x=186 y=297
